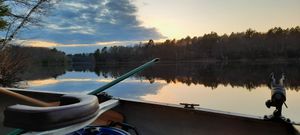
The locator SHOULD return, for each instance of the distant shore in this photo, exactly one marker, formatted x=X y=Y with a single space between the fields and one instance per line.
x=212 y=61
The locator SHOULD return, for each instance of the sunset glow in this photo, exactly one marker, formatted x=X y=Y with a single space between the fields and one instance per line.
x=178 y=19
x=150 y=67
x=224 y=98
x=79 y=29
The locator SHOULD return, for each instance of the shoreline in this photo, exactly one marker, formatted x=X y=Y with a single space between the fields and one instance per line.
x=216 y=61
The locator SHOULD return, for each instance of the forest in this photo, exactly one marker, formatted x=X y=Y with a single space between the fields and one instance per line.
x=275 y=44
x=16 y=60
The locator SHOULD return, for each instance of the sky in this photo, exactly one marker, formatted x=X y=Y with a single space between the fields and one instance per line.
x=76 y=26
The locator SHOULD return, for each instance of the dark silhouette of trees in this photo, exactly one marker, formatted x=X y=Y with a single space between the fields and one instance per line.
x=3 y=13
x=97 y=54
x=236 y=74
x=11 y=69
x=84 y=58
x=15 y=15
x=275 y=44
x=150 y=43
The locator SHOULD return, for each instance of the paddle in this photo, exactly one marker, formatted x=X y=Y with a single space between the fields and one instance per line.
x=95 y=92
x=25 y=98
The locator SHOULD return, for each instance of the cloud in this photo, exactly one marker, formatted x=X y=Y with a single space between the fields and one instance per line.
x=90 y=22
x=84 y=82
x=76 y=48
x=131 y=90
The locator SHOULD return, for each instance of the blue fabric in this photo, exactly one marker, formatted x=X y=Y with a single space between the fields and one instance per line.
x=100 y=131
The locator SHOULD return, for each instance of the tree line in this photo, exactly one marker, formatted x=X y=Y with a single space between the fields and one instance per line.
x=276 y=43
x=14 y=16
x=18 y=59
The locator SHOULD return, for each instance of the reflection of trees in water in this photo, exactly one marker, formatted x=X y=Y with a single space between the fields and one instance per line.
x=211 y=75
x=42 y=72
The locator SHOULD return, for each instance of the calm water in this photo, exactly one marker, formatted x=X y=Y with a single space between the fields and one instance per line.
x=239 y=88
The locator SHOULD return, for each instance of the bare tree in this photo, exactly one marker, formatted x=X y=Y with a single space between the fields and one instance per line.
x=14 y=16
x=12 y=63
x=22 y=13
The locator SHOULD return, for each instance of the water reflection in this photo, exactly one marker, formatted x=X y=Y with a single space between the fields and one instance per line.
x=226 y=99
x=248 y=75
x=240 y=88
x=211 y=75
x=84 y=82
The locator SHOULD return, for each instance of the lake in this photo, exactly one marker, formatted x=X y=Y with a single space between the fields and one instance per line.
x=233 y=87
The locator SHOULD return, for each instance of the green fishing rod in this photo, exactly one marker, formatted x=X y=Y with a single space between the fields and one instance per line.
x=121 y=78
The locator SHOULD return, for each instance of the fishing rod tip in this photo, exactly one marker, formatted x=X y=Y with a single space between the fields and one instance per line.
x=156 y=59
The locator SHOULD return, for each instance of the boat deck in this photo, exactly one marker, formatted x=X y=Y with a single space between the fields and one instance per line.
x=154 y=119
x=162 y=119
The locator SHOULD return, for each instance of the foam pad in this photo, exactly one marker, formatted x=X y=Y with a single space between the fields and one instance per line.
x=74 y=108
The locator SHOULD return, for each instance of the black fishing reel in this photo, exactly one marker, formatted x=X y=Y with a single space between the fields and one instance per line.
x=278 y=95
x=103 y=96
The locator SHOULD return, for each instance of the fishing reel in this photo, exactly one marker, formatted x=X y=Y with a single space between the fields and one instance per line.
x=278 y=95
x=103 y=96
